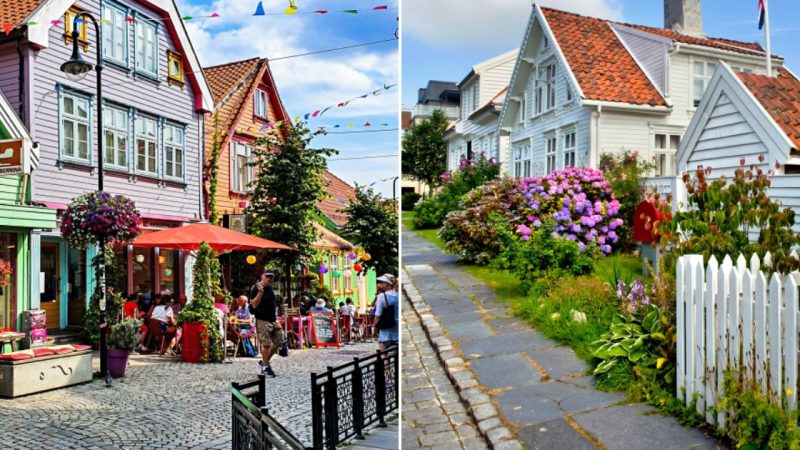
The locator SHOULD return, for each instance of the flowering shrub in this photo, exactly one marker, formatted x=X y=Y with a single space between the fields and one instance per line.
x=430 y=213
x=97 y=215
x=633 y=297
x=579 y=202
x=624 y=173
x=722 y=214
x=465 y=231
x=5 y=272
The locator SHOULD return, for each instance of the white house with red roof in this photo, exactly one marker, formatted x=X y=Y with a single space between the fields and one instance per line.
x=584 y=86
x=482 y=96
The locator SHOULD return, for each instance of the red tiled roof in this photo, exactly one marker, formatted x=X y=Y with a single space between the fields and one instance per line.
x=749 y=48
x=16 y=11
x=340 y=194
x=602 y=66
x=780 y=96
x=224 y=78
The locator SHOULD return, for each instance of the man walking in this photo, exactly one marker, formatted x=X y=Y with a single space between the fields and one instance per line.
x=269 y=332
x=386 y=308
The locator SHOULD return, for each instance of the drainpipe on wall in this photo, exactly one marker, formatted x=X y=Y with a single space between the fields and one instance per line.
x=21 y=80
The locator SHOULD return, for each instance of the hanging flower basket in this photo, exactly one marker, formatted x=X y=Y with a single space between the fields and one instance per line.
x=5 y=272
x=100 y=215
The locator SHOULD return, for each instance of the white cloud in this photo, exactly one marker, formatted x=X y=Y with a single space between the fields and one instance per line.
x=489 y=22
x=307 y=83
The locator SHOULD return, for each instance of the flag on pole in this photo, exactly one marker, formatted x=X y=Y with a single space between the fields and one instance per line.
x=762 y=13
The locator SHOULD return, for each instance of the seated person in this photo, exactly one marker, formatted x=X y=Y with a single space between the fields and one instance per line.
x=169 y=325
x=320 y=306
x=178 y=306
x=219 y=303
x=242 y=312
x=244 y=324
x=131 y=308
x=348 y=309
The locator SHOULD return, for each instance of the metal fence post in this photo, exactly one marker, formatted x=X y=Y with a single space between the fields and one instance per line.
x=358 y=399
x=316 y=413
x=396 y=381
x=380 y=390
x=262 y=391
x=265 y=445
x=235 y=436
x=331 y=411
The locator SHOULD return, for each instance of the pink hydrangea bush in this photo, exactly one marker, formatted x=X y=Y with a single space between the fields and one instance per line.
x=577 y=203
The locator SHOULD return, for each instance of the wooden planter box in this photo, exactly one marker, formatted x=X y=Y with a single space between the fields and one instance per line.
x=44 y=373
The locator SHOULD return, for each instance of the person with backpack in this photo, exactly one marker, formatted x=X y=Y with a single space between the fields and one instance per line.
x=387 y=313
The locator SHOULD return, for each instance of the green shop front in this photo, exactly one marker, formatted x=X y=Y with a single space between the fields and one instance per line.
x=21 y=223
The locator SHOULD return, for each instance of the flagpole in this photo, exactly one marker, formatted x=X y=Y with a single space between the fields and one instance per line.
x=766 y=39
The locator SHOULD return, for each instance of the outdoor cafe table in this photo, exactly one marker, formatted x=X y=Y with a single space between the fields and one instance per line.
x=10 y=338
x=301 y=323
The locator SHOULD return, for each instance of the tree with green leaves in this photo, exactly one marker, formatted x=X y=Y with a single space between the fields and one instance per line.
x=289 y=185
x=373 y=225
x=425 y=150
x=206 y=281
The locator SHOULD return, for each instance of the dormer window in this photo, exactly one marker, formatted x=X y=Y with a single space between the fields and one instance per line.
x=260 y=104
x=175 y=68
x=701 y=74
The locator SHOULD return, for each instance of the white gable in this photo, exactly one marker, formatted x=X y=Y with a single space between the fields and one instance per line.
x=17 y=129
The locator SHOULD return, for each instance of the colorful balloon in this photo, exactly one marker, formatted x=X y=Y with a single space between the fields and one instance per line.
x=352 y=256
x=347 y=273
x=357 y=267
x=336 y=274
x=367 y=256
x=323 y=269
x=251 y=259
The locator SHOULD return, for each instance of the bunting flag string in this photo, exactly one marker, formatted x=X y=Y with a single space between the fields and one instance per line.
x=291 y=10
x=319 y=112
x=272 y=125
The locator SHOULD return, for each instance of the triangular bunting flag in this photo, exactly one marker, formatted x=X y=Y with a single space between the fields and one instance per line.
x=187 y=17
x=130 y=19
x=278 y=123
x=341 y=104
x=291 y=10
x=55 y=22
x=259 y=9
x=385 y=124
x=336 y=126
x=80 y=20
x=321 y=128
x=364 y=96
x=321 y=11
x=378 y=92
x=351 y=11
x=31 y=22
x=263 y=127
x=306 y=116
x=378 y=8
x=315 y=113
x=7 y=28
x=214 y=15
x=367 y=124
x=297 y=119
x=105 y=21
x=388 y=86
x=350 y=125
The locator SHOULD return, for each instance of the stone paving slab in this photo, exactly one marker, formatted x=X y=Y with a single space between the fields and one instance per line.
x=522 y=388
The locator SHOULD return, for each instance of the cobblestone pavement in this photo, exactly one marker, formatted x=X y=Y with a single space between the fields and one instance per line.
x=521 y=387
x=378 y=438
x=161 y=404
x=433 y=415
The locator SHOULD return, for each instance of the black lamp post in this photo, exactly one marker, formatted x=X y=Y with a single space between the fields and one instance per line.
x=76 y=69
x=394 y=188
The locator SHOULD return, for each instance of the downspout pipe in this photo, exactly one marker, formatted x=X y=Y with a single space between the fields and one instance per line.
x=596 y=158
x=21 y=79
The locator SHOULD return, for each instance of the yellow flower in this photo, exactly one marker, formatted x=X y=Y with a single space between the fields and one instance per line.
x=789 y=391
x=660 y=362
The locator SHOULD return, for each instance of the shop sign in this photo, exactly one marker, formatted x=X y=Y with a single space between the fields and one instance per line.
x=11 y=157
x=236 y=222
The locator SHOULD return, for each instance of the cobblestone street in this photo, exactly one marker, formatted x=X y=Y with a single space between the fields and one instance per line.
x=433 y=415
x=164 y=405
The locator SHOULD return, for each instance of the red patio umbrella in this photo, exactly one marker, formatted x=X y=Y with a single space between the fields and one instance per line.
x=220 y=239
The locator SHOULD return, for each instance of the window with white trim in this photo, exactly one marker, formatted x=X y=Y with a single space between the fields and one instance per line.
x=665 y=148
x=348 y=281
x=522 y=160
x=260 y=104
x=146 y=47
x=550 y=83
x=476 y=95
x=539 y=94
x=568 y=89
x=550 y=153
x=174 y=150
x=146 y=145
x=75 y=118
x=335 y=286
x=701 y=74
x=115 y=34
x=741 y=69
x=115 y=139
x=569 y=149
x=242 y=170
x=523 y=108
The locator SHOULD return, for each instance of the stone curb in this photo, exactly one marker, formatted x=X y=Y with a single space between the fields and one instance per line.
x=478 y=404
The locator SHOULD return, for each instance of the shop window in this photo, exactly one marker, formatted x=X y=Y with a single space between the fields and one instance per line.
x=168 y=271
x=8 y=291
x=76 y=286
x=69 y=19
x=175 y=68
x=143 y=271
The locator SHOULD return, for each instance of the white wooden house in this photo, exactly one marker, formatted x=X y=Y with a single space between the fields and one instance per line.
x=482 y=97
x=584 y=86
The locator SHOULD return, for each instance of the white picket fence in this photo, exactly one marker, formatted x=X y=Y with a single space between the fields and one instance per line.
x=731 y=316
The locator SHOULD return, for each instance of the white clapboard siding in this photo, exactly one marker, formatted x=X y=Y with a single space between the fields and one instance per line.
x=735 y=317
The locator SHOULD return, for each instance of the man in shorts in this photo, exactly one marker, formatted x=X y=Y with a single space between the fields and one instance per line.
x=269 y=332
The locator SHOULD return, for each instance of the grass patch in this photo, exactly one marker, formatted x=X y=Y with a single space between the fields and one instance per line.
x=431 y=235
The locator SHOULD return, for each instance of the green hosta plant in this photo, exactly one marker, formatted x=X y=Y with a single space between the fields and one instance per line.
x=125 y=335
x=645 y=341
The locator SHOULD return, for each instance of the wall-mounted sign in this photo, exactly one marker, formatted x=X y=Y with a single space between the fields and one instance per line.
x=11 y=156
x=236 y=222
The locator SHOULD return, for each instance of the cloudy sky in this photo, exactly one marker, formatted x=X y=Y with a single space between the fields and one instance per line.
x=441 y=42
x=314 y=82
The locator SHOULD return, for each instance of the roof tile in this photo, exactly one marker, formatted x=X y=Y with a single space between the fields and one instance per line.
x=780 y=96
x=340 y=194
x=16 y=11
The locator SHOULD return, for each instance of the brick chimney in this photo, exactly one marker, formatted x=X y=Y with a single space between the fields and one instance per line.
x=684 y=17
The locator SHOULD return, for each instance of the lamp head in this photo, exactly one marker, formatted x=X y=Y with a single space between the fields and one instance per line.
x=77 y=67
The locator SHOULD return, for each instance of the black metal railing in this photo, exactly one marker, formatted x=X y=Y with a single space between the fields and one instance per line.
x=350 y=397
x=252 y=428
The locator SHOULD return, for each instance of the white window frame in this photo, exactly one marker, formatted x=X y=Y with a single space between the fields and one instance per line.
x=174 y=151
x=476 y=95
x=551 y=150
x=115 y=29
x=348 y=281
x=151 y=163
x=144 y=52
x=570 y=139
x=568 y=90
x=550 y=86
x=666 y=156
x=521 y=153
x=708 y=70
x=240 y=149
x=523 y=108
x=116 y=127
x=538 y=89
x=336 y=287
x=260 y=108
x=75 y=121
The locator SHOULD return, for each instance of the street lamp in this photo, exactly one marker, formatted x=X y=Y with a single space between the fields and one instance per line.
x=394 y=188
x=76 y=69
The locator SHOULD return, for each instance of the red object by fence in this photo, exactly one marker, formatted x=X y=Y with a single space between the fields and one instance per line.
x=644 y=219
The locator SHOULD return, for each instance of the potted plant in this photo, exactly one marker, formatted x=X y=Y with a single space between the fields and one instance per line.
x=198 y=319
x=123 y=339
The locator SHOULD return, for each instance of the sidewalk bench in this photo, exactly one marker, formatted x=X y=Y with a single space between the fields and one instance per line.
x=42 y=369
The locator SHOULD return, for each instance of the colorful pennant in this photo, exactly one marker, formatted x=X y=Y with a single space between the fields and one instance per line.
x=260 y=10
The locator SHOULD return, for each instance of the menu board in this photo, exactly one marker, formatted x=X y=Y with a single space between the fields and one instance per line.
x=323 y=329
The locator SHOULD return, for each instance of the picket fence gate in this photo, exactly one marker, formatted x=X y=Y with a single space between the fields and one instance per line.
x=731 y=316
